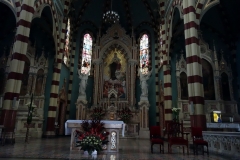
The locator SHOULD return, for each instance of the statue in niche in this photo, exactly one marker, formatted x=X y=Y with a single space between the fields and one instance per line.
x=143 y=82
x=83 y=82
x=115 y=67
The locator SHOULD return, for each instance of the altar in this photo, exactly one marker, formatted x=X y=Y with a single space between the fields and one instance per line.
x=112 y=127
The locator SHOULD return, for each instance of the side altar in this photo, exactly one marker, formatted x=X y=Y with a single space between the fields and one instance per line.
x=113 y=127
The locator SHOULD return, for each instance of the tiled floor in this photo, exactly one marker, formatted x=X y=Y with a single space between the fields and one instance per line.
x=130 y=149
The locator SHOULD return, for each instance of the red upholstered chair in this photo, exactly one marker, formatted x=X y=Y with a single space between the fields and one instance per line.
x=198 y=140
x=175 y=136
x=155 y=138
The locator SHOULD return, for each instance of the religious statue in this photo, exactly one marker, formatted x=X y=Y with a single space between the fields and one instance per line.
x=115 y=67
x=83 y=82
x=144 y=85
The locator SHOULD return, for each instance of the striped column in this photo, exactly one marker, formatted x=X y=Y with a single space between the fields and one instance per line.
x=73 y=50
x=14 y=80
x=194 y=67
x=166 y=78
x=52 y=109
x=162 y=31
x=18 y=7
x=199 y=7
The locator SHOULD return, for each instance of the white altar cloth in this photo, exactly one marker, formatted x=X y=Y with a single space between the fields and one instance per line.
x=224 y=125
x=68 y=130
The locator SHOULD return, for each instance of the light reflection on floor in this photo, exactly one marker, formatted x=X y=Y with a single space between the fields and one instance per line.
x=129 y=149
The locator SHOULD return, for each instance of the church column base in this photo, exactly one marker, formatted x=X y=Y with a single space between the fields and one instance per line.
x=144 y=133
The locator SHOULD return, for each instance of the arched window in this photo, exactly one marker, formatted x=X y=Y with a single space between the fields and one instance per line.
x=66 y=50
x=144 y=54
x=86 y=54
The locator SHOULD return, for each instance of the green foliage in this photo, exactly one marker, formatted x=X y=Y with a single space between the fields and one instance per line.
x=125 y=114
x=98 y=113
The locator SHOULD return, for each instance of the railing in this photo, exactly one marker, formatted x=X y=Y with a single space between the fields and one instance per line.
x=223 y=142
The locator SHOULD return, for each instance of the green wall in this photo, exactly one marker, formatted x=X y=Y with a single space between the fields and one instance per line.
x=174 y=80
x=48 y=89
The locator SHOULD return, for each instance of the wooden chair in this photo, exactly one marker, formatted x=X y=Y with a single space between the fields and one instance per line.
x=198 y=140
x=175 y=136
x=155 y=138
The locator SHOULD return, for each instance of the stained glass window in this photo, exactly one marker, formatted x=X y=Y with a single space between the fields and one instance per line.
x=86 y=54
x=144 y=54
x=66 y=50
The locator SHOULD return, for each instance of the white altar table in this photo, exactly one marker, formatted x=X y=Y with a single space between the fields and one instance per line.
x=112 y=127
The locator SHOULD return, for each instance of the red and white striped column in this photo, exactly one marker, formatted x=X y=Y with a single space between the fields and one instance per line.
x=53 y=104
x=14 y=80
x=166 y=78
x=194 y=67
x=162 y=32
x=18 y=7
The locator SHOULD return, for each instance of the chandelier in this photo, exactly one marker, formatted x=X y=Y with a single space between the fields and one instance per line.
x=110 y=16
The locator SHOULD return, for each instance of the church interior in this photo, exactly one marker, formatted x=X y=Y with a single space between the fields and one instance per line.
x=160 y=62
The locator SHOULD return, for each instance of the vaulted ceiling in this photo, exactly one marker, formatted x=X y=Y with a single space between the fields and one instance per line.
x=133 y=13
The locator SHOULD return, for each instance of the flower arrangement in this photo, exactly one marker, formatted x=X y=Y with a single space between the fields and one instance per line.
x=98 y=113
x=176 y=111
x=125 y=114
x=93 y=136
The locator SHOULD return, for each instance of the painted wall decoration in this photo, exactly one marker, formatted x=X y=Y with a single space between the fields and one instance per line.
x=144 y=54
x=86 y=54
x=39 y=82
x=114 y=75
x=208 y=82
x=66 y=51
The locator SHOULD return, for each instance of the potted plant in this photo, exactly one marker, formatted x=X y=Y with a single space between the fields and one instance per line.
x=93 y=136
x=125 y=114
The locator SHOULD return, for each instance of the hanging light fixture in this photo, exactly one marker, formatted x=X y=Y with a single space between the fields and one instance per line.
x=110 y=16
